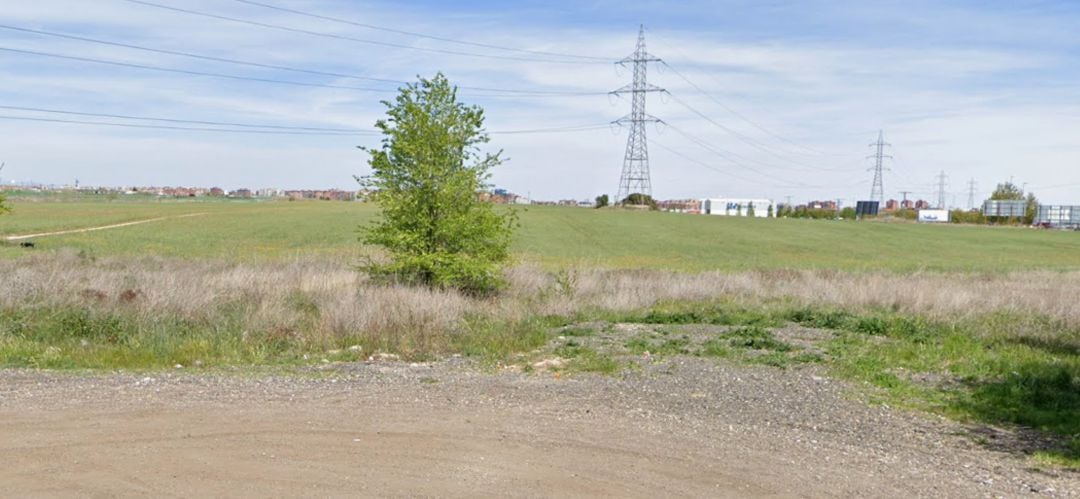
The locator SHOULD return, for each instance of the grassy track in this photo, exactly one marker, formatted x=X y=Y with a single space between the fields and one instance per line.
x=555 y=237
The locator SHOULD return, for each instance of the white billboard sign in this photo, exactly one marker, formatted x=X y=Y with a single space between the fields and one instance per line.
x=934 y=216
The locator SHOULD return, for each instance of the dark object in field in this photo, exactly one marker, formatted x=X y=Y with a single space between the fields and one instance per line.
x=27 y=244
x=129 y=296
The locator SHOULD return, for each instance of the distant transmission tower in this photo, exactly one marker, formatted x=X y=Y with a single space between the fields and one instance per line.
x=635 y=171
x=971 y=193
x=877 y=192
x=941 y=191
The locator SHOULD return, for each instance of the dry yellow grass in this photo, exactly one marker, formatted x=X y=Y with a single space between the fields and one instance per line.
x=323 y=299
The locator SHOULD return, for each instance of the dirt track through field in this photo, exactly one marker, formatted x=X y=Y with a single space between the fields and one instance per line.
x=103 y=227
x=679 y=428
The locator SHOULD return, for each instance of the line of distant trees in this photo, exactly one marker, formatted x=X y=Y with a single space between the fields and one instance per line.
x=1006 y=191
x=788 y=211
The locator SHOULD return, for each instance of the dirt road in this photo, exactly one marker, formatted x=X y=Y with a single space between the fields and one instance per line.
x=680 y=427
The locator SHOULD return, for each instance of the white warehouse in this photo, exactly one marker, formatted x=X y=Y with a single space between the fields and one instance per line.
x=761 y=208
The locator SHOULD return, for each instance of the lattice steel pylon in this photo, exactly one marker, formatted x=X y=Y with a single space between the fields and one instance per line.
x=877 y=192
x=972 y=185
x=635 y=172
x=941 y=190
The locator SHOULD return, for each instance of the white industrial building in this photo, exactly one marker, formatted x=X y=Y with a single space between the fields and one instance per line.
x=761 y=208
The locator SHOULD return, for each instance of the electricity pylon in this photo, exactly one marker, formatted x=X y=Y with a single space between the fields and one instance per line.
x=877 y=192
x=635 y=172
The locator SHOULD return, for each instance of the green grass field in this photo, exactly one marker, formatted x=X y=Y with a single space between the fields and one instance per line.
x=551 y=236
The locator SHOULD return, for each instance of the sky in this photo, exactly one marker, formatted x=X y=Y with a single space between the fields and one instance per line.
x=766 y=99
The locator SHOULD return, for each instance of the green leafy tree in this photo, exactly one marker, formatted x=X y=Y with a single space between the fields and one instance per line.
x=427 y=177
x=4 y=208
x=639 y=199
x=1031 y=211
x=1010 y=192
x=771 y=210
x=602 y=200
x=1007 y=192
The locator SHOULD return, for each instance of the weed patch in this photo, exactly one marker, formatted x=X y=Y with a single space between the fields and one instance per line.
x=721 y=314
x=662 y=347
x=586 y=359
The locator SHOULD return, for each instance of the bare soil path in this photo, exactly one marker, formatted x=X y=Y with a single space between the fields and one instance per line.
x=103 y=227
x=678 y=427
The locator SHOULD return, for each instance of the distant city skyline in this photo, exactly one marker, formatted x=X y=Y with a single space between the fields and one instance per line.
x=795 y=93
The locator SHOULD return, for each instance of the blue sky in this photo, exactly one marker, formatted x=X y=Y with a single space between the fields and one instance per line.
x=980 y=90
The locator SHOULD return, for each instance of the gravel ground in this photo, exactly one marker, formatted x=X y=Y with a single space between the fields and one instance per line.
x=679 y=426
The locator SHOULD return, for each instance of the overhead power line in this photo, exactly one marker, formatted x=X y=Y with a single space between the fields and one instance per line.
x=194 y=56
x=169 y=127
x=193 y=122
x=744 y=160
x=574 y=128
x=734 y=112
x=702 y=163
x=292 y=69
x=729 y=109
x=741 y=137
x=255 y=128
x=421 y=35
x=276 y=81
x=1052 y=187
x=734 y=158
x=780 y=184
x=350 y=38
x=189 y=72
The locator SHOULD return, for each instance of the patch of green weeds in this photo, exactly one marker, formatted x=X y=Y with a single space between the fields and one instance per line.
x=639 y=345
x=492 y=340
x=774 y=359
x=717 y=313
x=585 y=359
x=756 y=338
x=664 y=347
x=807 y=358
x=716 y=348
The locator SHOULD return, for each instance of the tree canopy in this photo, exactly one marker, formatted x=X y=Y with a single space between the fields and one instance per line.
x=1007 y=191
x=639 y=199
x=427 y=178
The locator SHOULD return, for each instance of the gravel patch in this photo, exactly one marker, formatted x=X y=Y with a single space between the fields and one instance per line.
x=753 y=430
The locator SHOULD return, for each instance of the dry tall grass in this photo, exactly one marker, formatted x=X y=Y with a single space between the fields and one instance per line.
x=319 y=299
